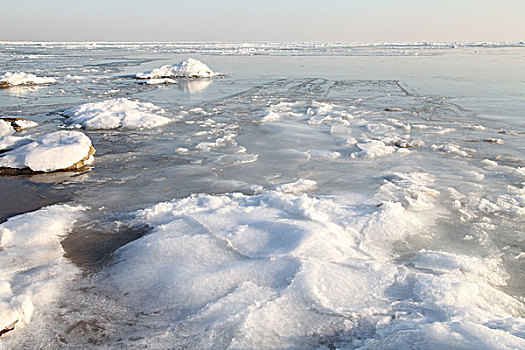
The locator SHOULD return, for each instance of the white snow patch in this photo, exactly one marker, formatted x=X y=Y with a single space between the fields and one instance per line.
x=116 y=113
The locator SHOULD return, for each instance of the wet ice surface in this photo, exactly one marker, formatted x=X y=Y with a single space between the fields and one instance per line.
x=344 y=206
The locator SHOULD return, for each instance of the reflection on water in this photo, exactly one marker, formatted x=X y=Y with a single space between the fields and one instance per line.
x=20 y=91
x=193 y=85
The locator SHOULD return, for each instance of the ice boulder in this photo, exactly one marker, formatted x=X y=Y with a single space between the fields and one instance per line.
x=116 y=113
x=21 y=78
x=190 y=68
x=57 y=151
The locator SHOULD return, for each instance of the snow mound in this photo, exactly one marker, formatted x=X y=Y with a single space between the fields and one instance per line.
x=32 y=266
x=116 y=113
x=190 y=68
x=21 y=78
x=61 y=150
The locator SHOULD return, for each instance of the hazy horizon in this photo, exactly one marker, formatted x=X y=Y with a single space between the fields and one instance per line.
x=271 y=21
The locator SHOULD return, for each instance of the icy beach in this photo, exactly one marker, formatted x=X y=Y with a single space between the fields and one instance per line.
x=309 y=196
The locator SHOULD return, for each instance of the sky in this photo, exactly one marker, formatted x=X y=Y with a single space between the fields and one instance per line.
x=263 y=20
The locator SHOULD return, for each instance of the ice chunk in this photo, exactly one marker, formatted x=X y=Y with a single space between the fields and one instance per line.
x=21 y=78
x=297 y=187
x=190 y=68
x=116 y=113
x=372 y=149
x=61 y=150
x=453 y=149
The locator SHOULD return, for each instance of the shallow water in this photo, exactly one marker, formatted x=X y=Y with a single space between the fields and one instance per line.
x=339 y=117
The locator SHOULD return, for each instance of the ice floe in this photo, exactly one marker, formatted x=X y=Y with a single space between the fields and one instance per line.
x=21 y=78
x=32 y=267
x=190 y=68
x=116 y=113
x=61 y=150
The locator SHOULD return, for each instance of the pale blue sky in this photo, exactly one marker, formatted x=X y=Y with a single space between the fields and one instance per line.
x=263 y=20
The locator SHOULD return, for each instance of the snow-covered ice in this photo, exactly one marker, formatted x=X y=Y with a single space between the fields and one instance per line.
x=116 y=113
x=297 y=203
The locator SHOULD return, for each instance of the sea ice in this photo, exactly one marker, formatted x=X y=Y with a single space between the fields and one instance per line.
x=190 y=68
x=116 y=113
x=21 y=78
x=59 y=150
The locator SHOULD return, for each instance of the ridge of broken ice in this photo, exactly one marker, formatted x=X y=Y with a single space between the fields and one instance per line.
x=116 y=113
x=32 y=266
x=60 y=150
x=22 y=78
x=284 y=267
x=190 y=68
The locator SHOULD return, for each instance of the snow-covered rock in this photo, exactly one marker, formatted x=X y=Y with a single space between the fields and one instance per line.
x=116 y=113
x=190 y=68
x=61 y=150
x=21 y=78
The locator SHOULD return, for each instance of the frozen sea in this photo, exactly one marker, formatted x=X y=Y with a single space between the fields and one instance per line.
x=314 y=196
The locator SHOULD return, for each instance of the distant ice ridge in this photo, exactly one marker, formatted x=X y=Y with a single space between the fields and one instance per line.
x=21 y=78
x=190 y=68
x=116 y=113
x=33 y=270
x=51 y=152
x=285 y=270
